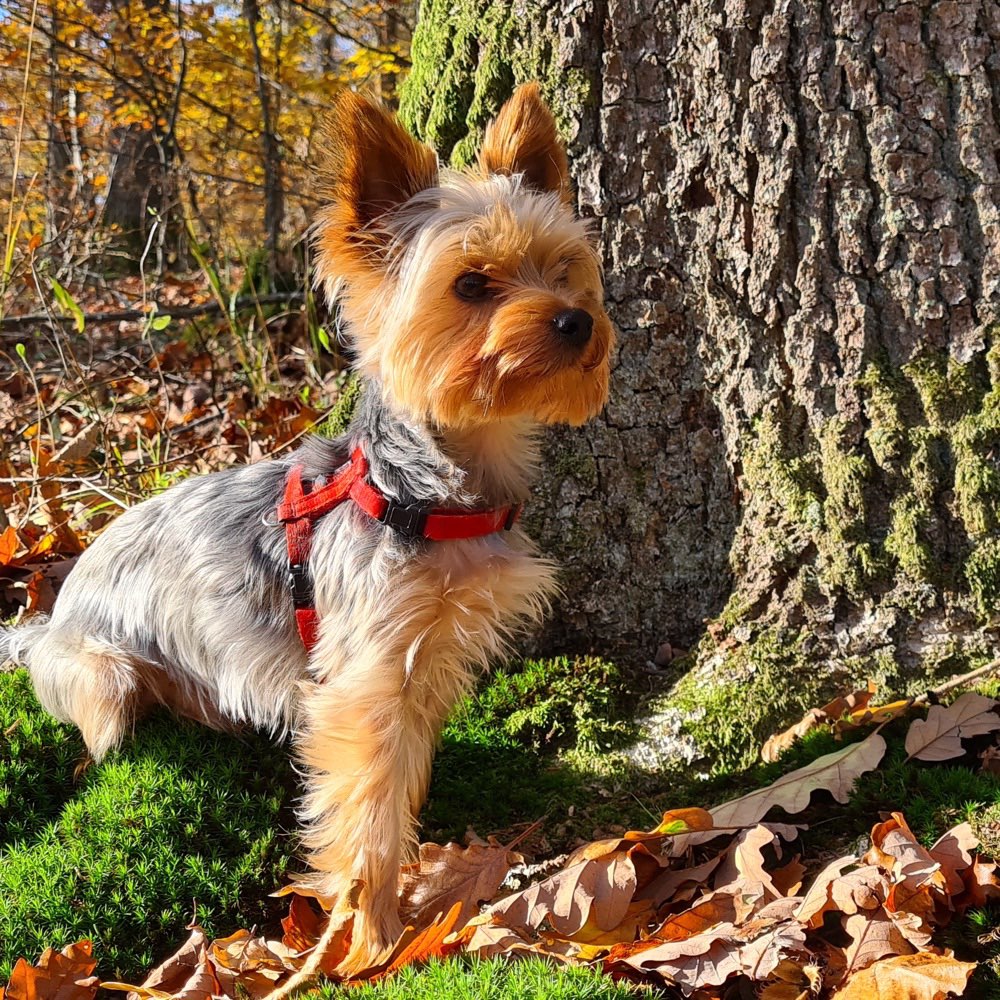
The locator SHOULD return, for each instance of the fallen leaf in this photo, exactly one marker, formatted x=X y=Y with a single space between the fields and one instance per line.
x=674 y=823
x=9 y=545
x=896 y=849
x=664 y=887
x=185 y=975
x=744 y=861
x=816 y=900
x=59 y=975
x=247 y=965
x=953 y=850
x=428 y=943
x=708 y=959
x=303 y=926
x=835 y=773
x=569 y=899
x=874 y=936
x=940 y=735
x=982 y=886
x=873 y=716
x=924 y=976
x=830 y=712
x=494 y=940
x=791 y=980
x=453 y=874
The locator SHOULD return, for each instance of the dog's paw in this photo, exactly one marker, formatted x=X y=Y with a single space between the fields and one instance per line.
x=373 y=937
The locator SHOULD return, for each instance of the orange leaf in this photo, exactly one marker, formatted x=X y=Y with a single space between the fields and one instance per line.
x=64 y=975
x=677 y=821
x=923 y=976
x=9 y=544
x=429 y=943
x=303 y=925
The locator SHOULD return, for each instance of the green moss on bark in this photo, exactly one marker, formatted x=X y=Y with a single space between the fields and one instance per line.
x=467 y=59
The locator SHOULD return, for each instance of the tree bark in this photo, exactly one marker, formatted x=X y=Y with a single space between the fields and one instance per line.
x=143 y=190
x=274 y=195
x=797 y=204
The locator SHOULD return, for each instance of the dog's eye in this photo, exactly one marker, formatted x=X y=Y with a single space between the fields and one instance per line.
x=473 y=286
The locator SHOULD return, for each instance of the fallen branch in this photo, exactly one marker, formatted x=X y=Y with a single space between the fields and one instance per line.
x=956 y=682
x=128 y=315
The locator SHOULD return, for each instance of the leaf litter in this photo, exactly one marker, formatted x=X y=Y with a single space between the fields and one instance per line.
x=706 y=901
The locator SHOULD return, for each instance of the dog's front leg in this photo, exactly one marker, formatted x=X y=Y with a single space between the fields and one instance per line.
x=367 y=739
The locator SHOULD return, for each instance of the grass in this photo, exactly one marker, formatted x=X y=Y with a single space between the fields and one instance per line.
x=187 y=823
x=472 y=979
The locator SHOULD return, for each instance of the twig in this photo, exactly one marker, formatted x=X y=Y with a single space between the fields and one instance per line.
x=955 y=682
x=125 y=315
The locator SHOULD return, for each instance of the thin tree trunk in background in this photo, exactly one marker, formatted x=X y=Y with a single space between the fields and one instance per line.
x=798 y=209
x=143 y=192
x=273 y=192
x=393 y=31
x=60 y=183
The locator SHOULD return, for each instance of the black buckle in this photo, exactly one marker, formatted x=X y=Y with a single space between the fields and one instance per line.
x=409 y=519
x=300 y=584
x=512 y=514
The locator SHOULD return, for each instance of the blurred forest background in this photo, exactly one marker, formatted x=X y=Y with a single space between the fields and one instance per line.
x=156 y=313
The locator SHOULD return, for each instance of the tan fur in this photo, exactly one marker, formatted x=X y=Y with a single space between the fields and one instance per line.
x=523 y=139
x=483 y=373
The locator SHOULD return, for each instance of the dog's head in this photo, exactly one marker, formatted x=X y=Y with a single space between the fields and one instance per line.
x=471 y=296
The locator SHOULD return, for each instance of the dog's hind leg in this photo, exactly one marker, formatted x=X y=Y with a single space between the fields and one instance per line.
x=87 y=682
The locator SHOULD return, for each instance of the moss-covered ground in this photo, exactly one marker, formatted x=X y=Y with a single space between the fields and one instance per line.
x=184 y=823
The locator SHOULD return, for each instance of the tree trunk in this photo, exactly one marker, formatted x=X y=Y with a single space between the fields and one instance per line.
x=274 y=195
x=143 y=190
x=797 y=204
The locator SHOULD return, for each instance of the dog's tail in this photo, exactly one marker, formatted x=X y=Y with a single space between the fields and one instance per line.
x=16 y=642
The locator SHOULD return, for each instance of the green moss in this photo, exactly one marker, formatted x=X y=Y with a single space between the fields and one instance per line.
x=182 y=823
x=982 y=570
x=489 y=769
x=467 y=59
x=947 y=390
x=788 y=480
x=849 y=560
x=882 y=392
x=339 y=417
x=737 y=698
x=473 y=979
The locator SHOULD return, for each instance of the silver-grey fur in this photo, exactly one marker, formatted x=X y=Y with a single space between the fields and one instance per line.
x=196 y=577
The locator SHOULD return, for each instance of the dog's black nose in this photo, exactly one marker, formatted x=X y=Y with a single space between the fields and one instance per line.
x=574 y=325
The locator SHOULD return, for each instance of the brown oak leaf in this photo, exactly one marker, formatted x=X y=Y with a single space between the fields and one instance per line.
x=940 y=735
x=923 y=976
x=445 y=875
x=874 y=936
x=856 y=701
x=600 y=891
x=59 y=975
x=835 y=772
x=754 y=949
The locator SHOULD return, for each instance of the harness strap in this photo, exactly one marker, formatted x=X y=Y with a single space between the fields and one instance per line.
x=302 y=505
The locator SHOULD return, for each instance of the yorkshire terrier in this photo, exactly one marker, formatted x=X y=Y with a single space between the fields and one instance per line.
x=350 y=593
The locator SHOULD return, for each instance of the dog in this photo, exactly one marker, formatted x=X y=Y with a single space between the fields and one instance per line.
x=350 y=593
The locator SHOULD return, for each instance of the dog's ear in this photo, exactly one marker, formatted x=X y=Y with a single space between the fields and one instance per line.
x=523 y=139
x=372 y=165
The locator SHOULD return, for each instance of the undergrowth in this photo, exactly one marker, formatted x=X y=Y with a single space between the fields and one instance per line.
x=188 y=823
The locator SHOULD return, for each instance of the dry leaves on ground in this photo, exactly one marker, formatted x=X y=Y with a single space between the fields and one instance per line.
x=111 y=418
x=706 y=901
x=940 y=735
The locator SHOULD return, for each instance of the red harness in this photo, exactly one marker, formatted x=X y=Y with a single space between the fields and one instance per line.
x=302 y=505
